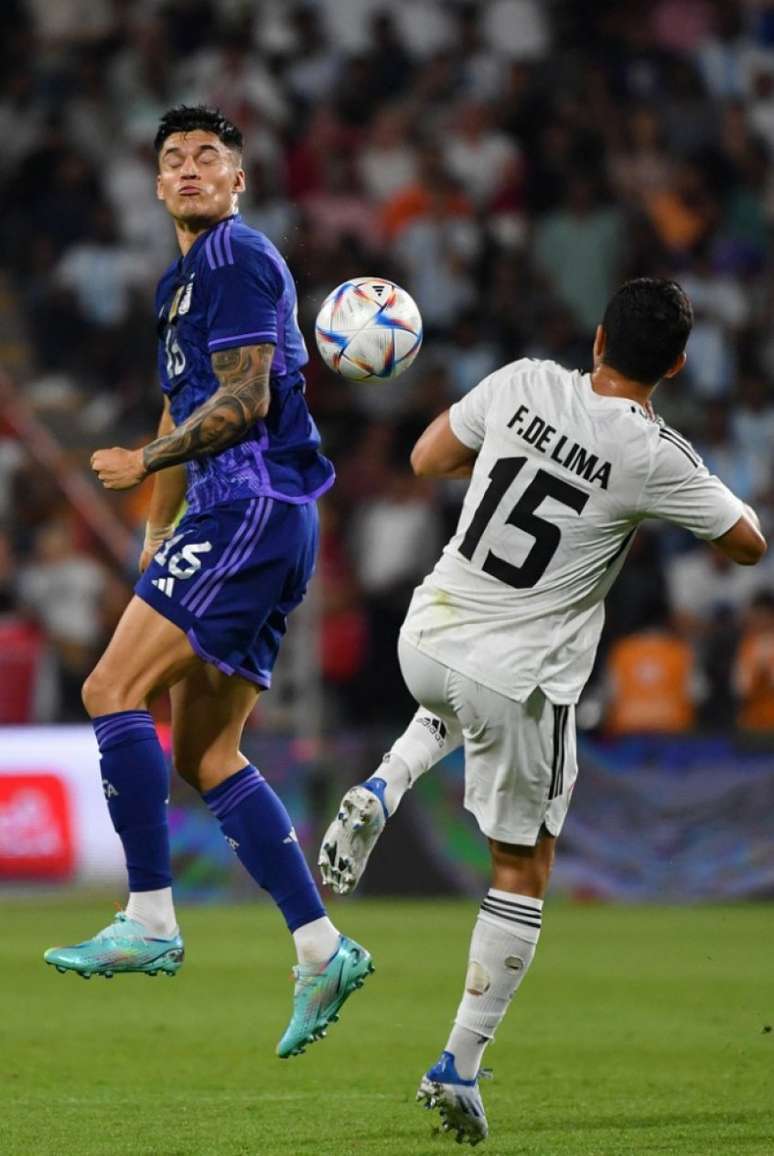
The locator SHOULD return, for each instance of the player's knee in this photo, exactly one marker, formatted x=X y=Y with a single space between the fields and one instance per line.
x=522 y=869
x=103 y=694
x=93 y=693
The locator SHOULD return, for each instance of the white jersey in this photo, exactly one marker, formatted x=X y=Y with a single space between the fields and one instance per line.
x=562 y=480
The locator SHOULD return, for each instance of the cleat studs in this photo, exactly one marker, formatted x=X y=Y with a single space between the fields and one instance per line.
x=85 y=974
x=108 y=974
x=61 y=970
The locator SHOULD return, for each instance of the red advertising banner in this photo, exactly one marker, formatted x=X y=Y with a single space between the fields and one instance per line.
x=36 y=829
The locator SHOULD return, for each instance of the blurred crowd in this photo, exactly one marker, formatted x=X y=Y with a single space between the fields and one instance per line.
x=509 y=162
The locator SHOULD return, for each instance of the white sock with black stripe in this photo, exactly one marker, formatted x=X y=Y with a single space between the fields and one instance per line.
x=502 y=948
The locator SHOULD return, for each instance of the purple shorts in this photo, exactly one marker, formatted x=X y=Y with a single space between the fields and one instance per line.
x=230 y=575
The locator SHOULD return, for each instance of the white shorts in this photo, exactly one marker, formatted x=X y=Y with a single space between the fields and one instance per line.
x=520 y=757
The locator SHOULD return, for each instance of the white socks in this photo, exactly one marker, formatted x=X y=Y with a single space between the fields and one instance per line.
x=425 y=741
x=317 y=941
x=502 y=948
x=155 y=911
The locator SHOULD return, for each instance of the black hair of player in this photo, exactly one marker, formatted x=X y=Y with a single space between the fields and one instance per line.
x=189 y=118
x=647 y=323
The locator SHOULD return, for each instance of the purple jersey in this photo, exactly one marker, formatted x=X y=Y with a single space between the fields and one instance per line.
x=233 y=288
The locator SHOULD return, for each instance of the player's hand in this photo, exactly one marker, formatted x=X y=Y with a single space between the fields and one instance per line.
x=146 y=558
x=118 y=469
x=155 y=537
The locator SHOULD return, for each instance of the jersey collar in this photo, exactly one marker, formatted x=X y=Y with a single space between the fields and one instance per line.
x=184 y=262
x=605 y=401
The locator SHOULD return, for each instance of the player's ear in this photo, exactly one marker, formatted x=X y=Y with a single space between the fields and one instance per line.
x=599 y=345
x=159 y=193
x=239 y=181
x=678 y=365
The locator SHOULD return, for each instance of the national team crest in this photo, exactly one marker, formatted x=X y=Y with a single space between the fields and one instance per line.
x=181 y=302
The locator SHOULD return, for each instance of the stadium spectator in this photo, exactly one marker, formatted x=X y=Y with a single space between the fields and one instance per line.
x=101 y=273
x=438 y=249
x=754 y=667
x=650 y=681
x=387 y=162
x=476 y=155
x=579 y=251
x=65 y=589
x=701 y=583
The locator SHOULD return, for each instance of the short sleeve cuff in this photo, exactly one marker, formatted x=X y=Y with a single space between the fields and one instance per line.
x=461 y=430
x=217 y=343
x=732 y=512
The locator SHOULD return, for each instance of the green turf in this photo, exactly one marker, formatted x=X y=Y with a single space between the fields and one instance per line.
x=638 y=1031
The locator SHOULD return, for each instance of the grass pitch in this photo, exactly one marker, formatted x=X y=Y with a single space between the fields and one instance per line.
x=638 y=1030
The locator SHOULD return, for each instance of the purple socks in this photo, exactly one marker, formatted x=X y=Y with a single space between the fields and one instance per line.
x=135 y=780
x=258 y=828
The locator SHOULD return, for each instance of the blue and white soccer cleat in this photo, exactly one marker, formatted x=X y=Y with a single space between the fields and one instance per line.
x=320 y=991
x=458 y=1101
x=122 y=946
x=352 y=836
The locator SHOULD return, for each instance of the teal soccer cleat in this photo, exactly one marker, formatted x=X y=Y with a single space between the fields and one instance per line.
x=320 y=991
x=123 y=946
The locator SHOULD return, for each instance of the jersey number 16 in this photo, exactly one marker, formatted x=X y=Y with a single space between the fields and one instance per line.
x=547 y=536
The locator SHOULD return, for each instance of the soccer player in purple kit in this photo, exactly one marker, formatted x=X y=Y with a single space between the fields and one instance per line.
x=237 y=442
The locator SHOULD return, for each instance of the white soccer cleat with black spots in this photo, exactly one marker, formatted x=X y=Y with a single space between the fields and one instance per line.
x=352 y=836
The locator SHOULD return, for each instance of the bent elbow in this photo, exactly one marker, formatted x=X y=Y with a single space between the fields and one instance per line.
x=753 y=557
x=752 y=552
x=419 y=463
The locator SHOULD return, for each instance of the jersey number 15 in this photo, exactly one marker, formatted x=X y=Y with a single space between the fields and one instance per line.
x=547 y=535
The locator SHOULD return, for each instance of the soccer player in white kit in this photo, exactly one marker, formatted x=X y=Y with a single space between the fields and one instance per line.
x=500 y=639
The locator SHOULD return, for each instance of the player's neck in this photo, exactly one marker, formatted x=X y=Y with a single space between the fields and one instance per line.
x=609 y=383
x=188 y=232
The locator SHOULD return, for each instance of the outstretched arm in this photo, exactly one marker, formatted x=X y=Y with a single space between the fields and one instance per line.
x=241 y=400
x=743 y=543
x=440 y=454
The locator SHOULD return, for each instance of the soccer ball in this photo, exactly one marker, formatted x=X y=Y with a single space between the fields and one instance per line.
x=368 y=329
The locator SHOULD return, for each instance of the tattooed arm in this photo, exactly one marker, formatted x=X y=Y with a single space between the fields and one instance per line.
x=242 y=399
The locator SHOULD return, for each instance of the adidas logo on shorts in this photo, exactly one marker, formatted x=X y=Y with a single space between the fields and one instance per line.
x=165 y=585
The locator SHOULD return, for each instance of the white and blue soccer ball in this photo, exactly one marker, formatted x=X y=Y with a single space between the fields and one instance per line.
x=368 y=329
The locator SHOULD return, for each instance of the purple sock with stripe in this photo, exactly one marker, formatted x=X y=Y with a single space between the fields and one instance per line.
x=135 y=779
x=257 y=826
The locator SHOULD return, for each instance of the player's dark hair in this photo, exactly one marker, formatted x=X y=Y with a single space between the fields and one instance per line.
x=646 y=324
x=188 y=118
